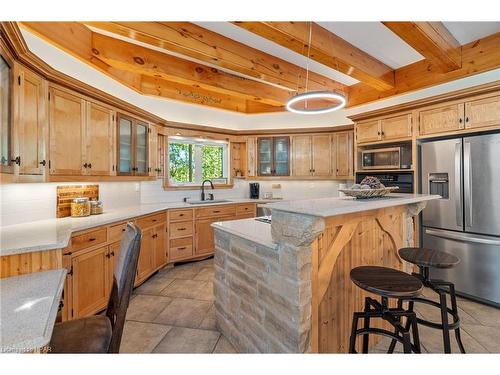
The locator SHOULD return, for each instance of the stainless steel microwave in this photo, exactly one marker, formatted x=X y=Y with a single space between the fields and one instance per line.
x=386 y=158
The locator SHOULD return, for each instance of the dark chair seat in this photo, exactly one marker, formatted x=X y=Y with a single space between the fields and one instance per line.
x=428 y=257
x=386 y=282
x=87 y=335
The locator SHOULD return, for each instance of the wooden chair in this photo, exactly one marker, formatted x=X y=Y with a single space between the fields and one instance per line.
x=103 y=333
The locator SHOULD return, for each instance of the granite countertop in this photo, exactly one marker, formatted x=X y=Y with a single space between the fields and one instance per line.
x=55 y=233
x=250 y=229
x=326 y=207
x=28 y=310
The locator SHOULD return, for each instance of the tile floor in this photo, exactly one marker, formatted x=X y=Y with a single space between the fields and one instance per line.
x=173 y=312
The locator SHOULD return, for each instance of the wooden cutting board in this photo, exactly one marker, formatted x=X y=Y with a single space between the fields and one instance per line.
x=65 y=194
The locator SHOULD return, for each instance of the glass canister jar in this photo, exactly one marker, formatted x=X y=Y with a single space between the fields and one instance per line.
x=80 y=207
x=95 y=207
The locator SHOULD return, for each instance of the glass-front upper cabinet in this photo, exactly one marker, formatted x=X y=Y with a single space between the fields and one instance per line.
x=274 y=156
x=141 y=149
x=5 y=115
x=132 y=144
x=265 y=146
x=282 y=156
x=124 y=145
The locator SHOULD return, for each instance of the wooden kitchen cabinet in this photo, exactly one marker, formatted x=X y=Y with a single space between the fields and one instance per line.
x=343 y=155
x=99 y=131
x=66 y=124
x=251 y=156
x=160 y=254
x=205 y=236
x=482 y=113
x=442 y=119
x=132 y=146
x=153 y=151
x=301 y=156
x=145 y=264
x=311 y=155
x=30 y=124
x=396 y=128
x=321 y=155
x=273 y=156
x=90 y=282
x=368 y=131
x=113 y=253
x=393 y=128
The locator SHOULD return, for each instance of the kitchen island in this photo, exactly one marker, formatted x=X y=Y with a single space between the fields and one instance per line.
x=285 y=286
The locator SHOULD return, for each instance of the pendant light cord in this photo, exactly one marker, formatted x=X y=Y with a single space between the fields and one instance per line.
x=308 y=59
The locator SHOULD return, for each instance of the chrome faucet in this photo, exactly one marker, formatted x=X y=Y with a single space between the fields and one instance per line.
x=203 y=190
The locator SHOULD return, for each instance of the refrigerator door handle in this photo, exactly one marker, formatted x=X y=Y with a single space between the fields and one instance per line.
x=458 y=183
x=467 y=185
x=461 y=237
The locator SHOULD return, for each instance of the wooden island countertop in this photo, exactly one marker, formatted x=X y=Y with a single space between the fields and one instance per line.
x=285 y=286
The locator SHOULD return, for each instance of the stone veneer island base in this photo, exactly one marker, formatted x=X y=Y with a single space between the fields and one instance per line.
x=285 y=288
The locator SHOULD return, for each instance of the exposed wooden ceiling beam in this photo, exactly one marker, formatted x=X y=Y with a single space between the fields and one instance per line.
x=326 y=48
x=129 y=56
x=432 y=40
x=199 y=43
x=479 y=56
x=131 y=64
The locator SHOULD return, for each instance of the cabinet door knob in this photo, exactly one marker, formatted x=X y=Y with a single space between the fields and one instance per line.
x=90 y=165
x=467 y=119
x=85 y=165
x=460 y=120
x=17 y=160
x=43 y=162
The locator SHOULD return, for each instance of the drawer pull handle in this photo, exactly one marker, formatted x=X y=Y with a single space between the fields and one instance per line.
x=181 y=214
x=153 y=220
x=123 y=230
x=92 y=239
x=181 y=229
x=182 y=248
x=113 y=253
x=216 y=211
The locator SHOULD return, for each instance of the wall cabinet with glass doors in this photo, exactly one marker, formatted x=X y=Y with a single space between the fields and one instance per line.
x=273 y=156
x=132 y=147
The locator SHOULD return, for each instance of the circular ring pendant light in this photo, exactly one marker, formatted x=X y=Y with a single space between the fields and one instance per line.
x=291 y=105
x=326 y=95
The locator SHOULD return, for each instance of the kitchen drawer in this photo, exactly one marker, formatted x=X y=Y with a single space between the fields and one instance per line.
x=92 y=238
x=180 y=248
x=244 y=216
x=245 y=209
x=180 y=215
x=228 y=210
x=151 y=220
x=115 y=232
x=181 y=229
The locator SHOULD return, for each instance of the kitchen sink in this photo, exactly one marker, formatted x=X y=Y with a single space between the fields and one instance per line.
x=209 y=201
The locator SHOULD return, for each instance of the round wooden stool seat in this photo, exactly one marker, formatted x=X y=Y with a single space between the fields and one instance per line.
x=428 y=257
x=386 y=282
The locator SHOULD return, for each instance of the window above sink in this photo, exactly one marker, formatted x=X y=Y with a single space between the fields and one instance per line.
x=192 y=160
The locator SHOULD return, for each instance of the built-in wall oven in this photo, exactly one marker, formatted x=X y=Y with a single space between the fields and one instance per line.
x=397 y=157
x=403 y=180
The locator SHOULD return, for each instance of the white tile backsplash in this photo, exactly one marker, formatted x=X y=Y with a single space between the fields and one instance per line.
x=21 y=203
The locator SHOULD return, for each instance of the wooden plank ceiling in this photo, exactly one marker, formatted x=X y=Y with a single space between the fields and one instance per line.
x=183 y=61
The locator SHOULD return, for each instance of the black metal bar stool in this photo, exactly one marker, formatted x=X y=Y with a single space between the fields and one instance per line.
x=387 y=283
x=425 y=259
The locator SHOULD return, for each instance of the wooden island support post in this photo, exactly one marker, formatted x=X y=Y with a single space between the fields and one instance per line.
x=285 y=287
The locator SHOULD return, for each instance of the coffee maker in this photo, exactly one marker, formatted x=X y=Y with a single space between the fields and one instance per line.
x=254 y=190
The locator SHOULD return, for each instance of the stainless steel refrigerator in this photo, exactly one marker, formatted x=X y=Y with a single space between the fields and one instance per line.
x=466 y=220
